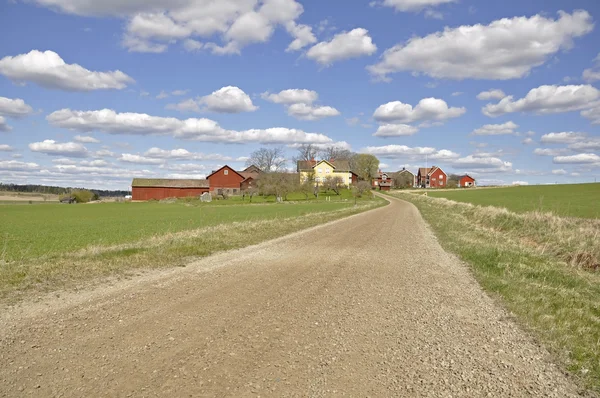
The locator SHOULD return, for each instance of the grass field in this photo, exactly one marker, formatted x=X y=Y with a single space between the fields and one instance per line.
x=545 y=269
x=50 y=246
x=574 y=200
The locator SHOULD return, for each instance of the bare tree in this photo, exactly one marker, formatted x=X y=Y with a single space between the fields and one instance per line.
x=307 y=188
x=360 y=188
x=333 y=152
x=334 y=183
x=403 y=180
x=278 y=184
x=249 y=192
x=306 y=152
x=268 y=159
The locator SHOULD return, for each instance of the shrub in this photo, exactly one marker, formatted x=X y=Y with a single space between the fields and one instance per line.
x=83 y=195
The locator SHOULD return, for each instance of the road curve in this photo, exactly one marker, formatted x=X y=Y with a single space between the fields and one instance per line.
x=366 y=306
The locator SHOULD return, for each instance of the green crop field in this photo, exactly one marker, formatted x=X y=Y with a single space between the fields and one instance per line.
x=575 y=200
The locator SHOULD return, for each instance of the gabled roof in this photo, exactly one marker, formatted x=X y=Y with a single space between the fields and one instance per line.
x=465 y=175
x=169 y=183
x=216 y=171
x=434 y=169
x=305 y=164
x=404 y=171
x=251 y=169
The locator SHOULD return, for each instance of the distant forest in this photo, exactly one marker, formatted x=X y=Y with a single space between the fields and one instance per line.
x=56 y=190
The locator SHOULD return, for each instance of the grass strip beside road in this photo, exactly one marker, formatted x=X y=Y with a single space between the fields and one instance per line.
x=540 y=266
x=165 y=248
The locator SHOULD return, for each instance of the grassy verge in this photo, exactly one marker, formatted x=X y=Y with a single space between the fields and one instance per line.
x=166 y=247
x=543 y=268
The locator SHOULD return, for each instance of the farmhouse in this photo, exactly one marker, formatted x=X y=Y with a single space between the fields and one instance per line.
x=466 y=181
x=432 y=177
x=382 y=181
x=225 y=180
x=319 y=171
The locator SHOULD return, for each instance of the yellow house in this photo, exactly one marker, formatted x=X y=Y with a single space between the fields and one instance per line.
x=319 y=171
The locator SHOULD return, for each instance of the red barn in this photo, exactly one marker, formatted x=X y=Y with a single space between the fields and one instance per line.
x=159 y=188
x=225 y=180
x=433 y=177
x=466 y=181
x=382 y=181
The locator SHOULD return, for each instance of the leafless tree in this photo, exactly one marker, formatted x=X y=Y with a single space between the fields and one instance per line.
x=336 y=153
x=249 y=192
x=403 y=180
x=306 y=152
x=268 y=159
x=334 y=183
x=307 y=188
x=360 y=188
x=278 y=184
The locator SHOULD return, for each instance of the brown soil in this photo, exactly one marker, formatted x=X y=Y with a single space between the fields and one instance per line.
x=367 y=306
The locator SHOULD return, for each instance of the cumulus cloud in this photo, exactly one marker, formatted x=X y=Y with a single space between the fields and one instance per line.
x=299 y=104
x=567 y=137
x=182 y=154
x=228 y=99
x=519 y=183
x=550 y=151
x=547 y=99
x=414 y=5
x=527 y=141
x=151 y=26
x=413 y=153
x=292 y=96
x=110 y=122
x=581 y=158
x=395 y=130
x=15 y=165
x=49 y=70
x=138 y=159
x=593 y=74
x=483 y=164
x=345 y=45
x=5 y=148
x=188 y=105
x=4 y=125
x=593 y=114
x=560 y=172
x=53 y=148
x=479 y=51
x=86 y=139
x=428 y=109
x=507 y=128
x=491 y=94
x=14 y=107
x=302 y=34
x=591 y=144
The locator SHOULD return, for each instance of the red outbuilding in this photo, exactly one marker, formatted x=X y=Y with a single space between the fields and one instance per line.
x=432 y=177
x=160 y=188
x=466 y=181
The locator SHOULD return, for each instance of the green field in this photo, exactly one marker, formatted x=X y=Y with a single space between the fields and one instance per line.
x=575 y=200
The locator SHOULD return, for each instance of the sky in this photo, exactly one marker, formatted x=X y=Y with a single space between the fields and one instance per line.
x=95 y=93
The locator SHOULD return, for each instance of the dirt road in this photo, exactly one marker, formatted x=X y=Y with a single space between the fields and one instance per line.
x=366 y=306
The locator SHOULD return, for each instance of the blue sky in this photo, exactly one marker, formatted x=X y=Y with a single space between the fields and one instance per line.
x=96 y=93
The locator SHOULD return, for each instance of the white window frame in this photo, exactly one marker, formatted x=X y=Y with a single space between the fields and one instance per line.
x=226 y=172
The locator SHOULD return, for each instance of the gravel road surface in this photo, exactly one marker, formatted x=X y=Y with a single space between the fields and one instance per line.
x=368 y=306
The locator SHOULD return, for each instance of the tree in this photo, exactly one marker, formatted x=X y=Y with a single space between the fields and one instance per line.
x=278 y=184
x=403 y=180
x=334 y=183
x=333 y=152
x=360 y=188
x=307 y=188
x=306 y=152
x=365 y=166
x=249 y=192
x=268 y=159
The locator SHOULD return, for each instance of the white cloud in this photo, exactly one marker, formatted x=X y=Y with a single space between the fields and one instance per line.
x=593 y=114
x=491 y=94
x=5 y=148
x=567 y=137
x=64 y=161
x=483 y=164
x=162 y=94
x=428 y=109
x=182 y=154
x=395 y=130
x=86 y=139
x=14 y=107
x=559 y=172
x=457 y=93
x=3 y=125
x=53 y=148
x=15 y=165
x=95 y=163
x=549 y=151
x=303 y=36
x=480 y=51
x=179 y=92
x=137 y=159
x=414 y=5
x=185 y=167
x=345 y=45
x=104 y=153
x=49 y=70
x=547 y=99
x=292 y=96
x=519 y=183
x=527 y=141
x=416 y=153
x=582 y=158
x=111 y=122
x=592 y=144
x=228 y=99
x=593 y=74
x=507 y=128
x=188 y=105
x=311 y=112
x=193 y=45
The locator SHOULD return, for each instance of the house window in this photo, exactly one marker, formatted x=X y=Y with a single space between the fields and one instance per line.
x=441 y=176
x=234 y=191
x=226 y=172
x=320 y=171
x=327 y=171
x=441 y=182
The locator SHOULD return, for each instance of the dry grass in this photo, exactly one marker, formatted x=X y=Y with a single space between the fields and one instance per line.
x=542 y=267
x=94 y=263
